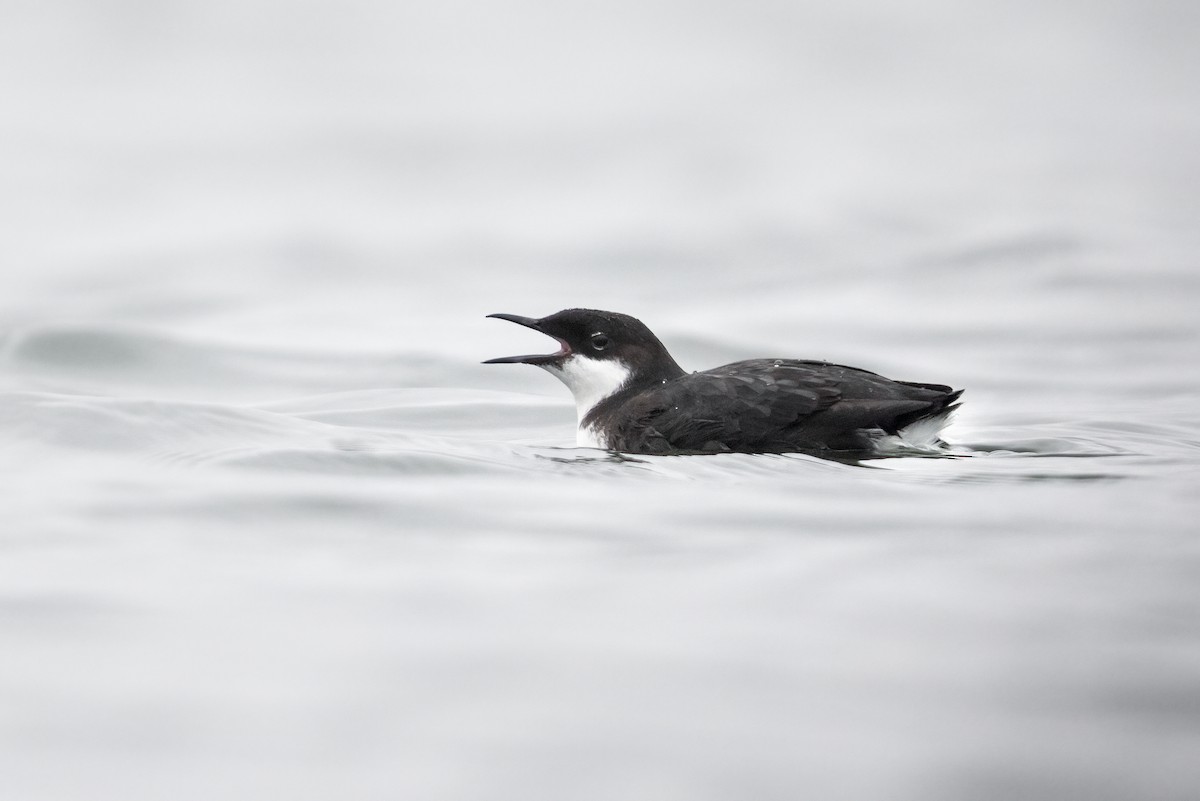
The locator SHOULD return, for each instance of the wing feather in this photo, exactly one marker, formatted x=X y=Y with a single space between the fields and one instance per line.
x=730 y=408
x=769 y=405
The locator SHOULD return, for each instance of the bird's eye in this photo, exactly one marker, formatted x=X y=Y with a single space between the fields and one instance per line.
x=600 y=341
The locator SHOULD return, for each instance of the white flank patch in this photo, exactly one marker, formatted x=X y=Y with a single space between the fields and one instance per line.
x=923 y=435
x=590 y=381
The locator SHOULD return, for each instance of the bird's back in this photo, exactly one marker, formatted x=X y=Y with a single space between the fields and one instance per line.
x=767 y=405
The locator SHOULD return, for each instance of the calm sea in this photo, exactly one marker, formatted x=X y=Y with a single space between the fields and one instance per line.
x=270 y=531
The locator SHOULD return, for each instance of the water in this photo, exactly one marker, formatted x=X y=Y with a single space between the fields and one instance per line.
x=270 y=530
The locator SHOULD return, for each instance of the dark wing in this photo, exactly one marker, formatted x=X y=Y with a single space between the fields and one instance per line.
x=741 y=406
x=766 y=405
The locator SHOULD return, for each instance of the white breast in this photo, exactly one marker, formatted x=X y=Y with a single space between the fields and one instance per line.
x=590 y=381
x=586 y=437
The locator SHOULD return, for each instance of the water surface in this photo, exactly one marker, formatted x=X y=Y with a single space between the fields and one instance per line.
x=270 y=530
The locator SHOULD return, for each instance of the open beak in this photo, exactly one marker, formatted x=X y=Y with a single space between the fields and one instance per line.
x=536 y=359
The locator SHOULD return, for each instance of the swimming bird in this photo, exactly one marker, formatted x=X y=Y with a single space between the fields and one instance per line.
x=632 y=396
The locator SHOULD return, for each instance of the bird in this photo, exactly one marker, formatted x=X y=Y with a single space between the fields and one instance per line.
x=631 y=396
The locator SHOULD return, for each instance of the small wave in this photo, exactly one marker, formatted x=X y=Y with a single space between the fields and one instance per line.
x=151 y=427
x=108 y=360
x=1089 y=438
x=369 y=463
x=188 y=434
x=440 y=410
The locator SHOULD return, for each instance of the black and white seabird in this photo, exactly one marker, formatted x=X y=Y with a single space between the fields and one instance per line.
x=631 y=396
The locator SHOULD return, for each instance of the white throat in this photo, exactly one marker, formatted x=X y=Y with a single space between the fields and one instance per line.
x=590 y=381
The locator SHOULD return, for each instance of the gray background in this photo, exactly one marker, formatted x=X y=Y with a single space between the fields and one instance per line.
x=270 y=530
